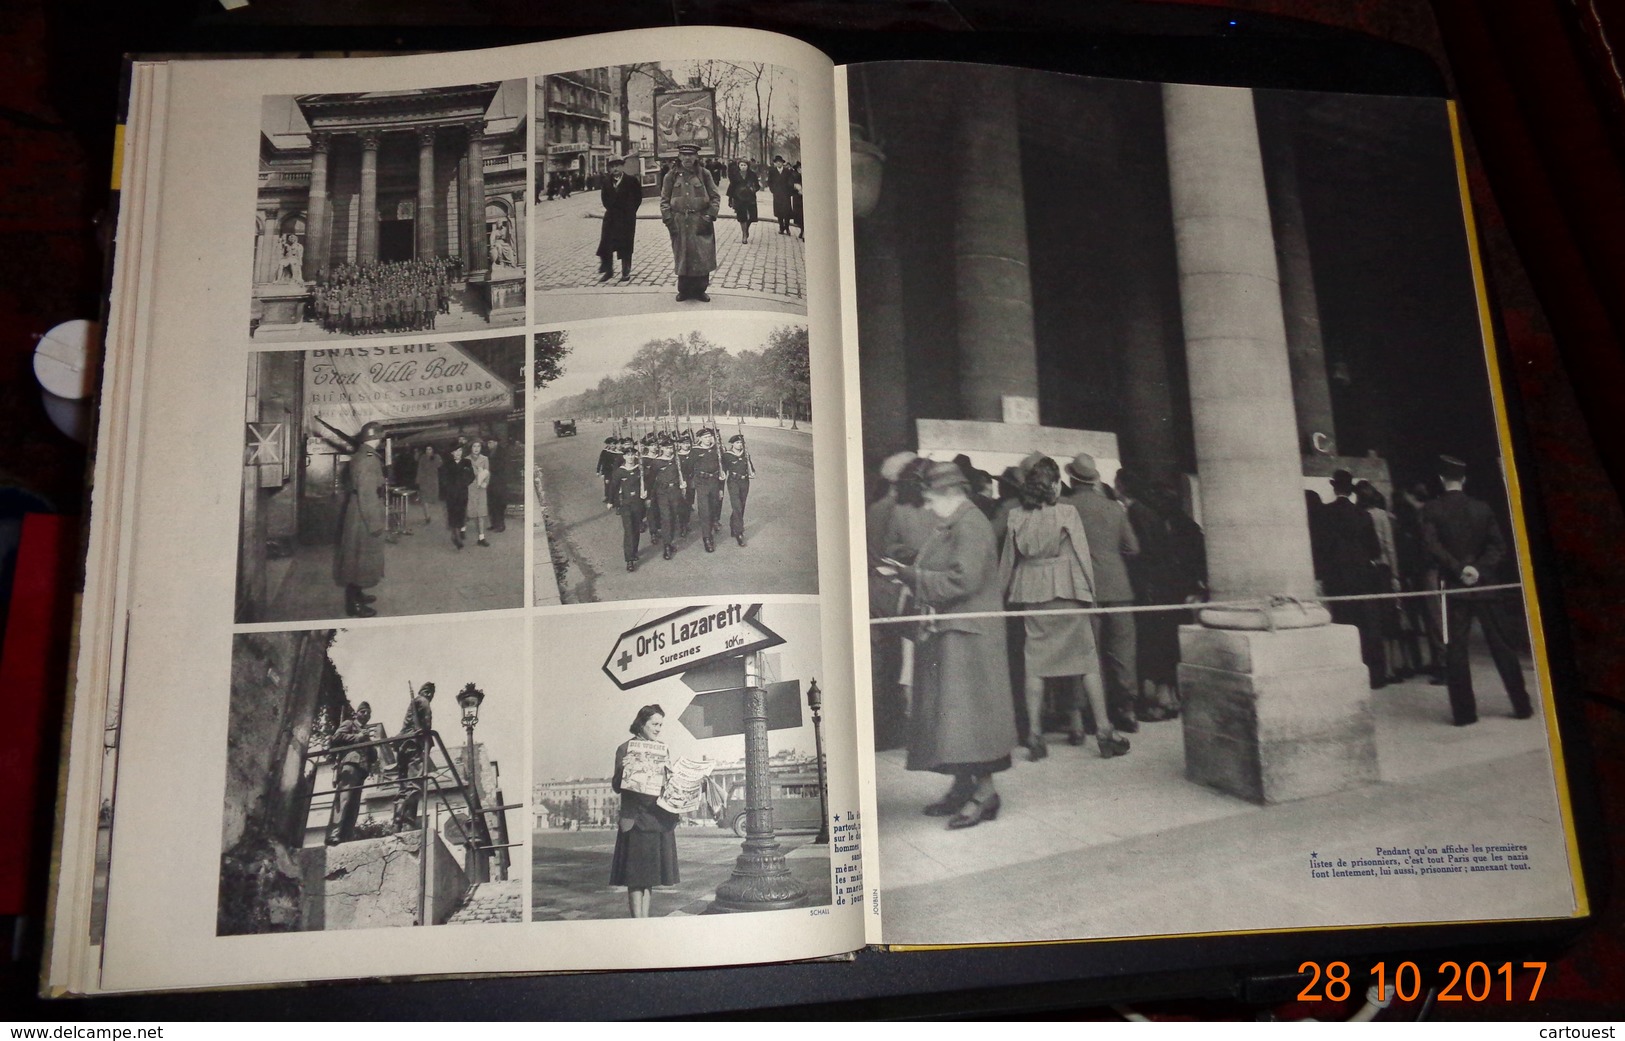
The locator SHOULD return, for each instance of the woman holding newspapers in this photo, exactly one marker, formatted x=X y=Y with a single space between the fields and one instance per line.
x=646 y=843
x=962 y=722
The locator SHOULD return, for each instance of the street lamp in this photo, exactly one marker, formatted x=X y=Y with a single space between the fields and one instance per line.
x=468 y=699
x=815 y=702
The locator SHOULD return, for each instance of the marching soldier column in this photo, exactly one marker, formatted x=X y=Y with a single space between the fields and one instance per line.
x=659 y=482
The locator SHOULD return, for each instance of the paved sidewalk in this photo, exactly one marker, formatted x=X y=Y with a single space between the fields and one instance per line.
x=1090 y=847
x=767 y=273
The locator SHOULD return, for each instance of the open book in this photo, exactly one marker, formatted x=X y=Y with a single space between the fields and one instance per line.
x=667 y=476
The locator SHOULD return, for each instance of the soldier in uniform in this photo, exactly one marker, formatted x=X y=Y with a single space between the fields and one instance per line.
x=1464 y=539
x=629 y=501
x=707 y=484
x=667 y=486
x=685 y=465
x=358 y=555
x=649 y=459
x=609 y=457
x=350 y=772
x=740 y=470
x=689 y=202
x=409 y=758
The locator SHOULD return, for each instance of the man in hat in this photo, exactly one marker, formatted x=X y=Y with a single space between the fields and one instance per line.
x=631 y=494
x=1349 y=549
x=358 y=555
x=878 y=517
x=685 y=466
x=689 y=203
x=609 y=457
x=781 y=182
x=1111 y=545
x=709 y=473
x=740 y=470
x=666 y=488
x=350 y=771
x=1464 y=539
x=409 y=757
x=621 y=196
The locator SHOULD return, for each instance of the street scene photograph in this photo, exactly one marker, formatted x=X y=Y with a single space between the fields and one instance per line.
x=667 y=183
x=391 y=212
x=1194 y=577
x=383 y=480
x=653 y=794
x=673 y=458
x=406 y=738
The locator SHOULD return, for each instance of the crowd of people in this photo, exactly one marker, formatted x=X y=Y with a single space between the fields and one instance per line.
x=961 y=682
x=396 y=296
x=1426 y=543
x=961 y=693
x=465 y=477
x=660 y=483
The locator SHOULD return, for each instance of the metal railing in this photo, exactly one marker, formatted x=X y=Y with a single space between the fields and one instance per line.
x=479 y=845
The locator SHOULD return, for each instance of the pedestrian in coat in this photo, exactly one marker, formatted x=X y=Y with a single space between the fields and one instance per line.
x=1464 y=539
x=689 y=203
x=781 y=181
x=963 y=723
x=456 y=476
x=743 y=184
x=429 y=465
x=621 y=196
x=410 y=758
x=358 y=556
x=1351 y=555
x=1112 y=544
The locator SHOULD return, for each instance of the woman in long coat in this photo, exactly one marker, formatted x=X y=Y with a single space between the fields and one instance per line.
x=454 y=482
x=743 y=184
x=963 y=722
x=358 y=557
x=429 y=474
x=479 y=510
x=689 y=203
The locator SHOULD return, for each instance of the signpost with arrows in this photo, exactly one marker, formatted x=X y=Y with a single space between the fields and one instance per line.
x=716 y=648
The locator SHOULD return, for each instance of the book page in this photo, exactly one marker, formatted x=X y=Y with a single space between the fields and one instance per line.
x=390 y=619
x=1199 y=594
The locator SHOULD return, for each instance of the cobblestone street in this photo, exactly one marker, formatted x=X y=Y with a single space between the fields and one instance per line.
x=767 y=273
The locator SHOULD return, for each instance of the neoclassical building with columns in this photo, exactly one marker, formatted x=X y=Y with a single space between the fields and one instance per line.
x=1236 y=290
x=391 y=176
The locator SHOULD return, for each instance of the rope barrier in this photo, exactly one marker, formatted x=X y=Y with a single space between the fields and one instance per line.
x=1201 y=605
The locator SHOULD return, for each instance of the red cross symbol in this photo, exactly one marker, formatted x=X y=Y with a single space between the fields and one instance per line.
x=624 y=660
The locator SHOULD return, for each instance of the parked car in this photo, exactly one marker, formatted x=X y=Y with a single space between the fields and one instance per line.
x=564 y=428
x=796 y=805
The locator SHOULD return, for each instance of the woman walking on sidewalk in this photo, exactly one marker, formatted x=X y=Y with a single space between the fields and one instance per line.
x=479 y=510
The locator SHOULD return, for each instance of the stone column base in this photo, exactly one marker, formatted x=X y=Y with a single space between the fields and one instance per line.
x=1276 y=716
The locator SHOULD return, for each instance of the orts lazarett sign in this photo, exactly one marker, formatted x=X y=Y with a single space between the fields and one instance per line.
x=351 y=386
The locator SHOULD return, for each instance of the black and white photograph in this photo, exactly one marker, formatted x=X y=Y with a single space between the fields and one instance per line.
x=673 y=457
x=669 y=183
x=352 y=751
x=383 y=480
x=391 y=212
x=678 y=764
x=1185 y=491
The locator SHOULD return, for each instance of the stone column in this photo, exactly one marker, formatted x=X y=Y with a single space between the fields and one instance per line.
x=367 y=234
x=887 y=426
x=479 y=259
x=428 y=234
x=1300 y=308
x=316 y=212
x=1276 y=709
x=992 y=281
